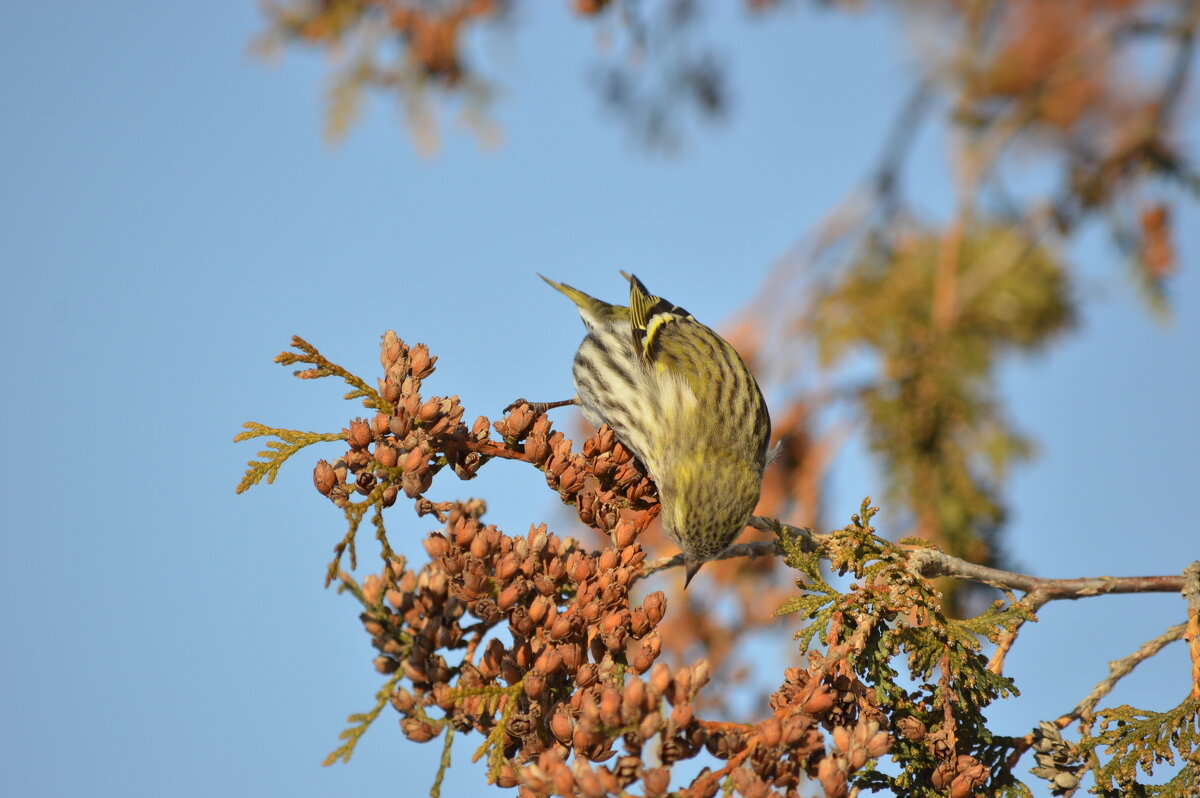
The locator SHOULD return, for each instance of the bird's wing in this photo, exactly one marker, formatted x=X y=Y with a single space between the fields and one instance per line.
x=649 y=316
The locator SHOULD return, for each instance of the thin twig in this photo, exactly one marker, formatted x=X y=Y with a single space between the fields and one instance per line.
x=1033 y=602
x=759 y=548
x=1120 y=668
x=1180 y=64
x=489 y=448
x=898 y=143
x=1117 y=670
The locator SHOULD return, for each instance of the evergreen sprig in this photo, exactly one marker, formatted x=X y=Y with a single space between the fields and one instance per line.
x=323 y=367
x=942 y=655
x=361 y=721
x=277 y=452
x=1139 y=739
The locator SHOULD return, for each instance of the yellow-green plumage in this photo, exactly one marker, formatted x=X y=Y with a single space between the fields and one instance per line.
x=680 y=398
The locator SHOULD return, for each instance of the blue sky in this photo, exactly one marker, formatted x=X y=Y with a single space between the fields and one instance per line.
x=169 y=217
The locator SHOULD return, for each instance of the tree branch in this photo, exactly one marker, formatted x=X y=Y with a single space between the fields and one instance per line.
x=931 y=563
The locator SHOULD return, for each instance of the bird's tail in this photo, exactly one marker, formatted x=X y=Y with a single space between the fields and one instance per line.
x=592 y=309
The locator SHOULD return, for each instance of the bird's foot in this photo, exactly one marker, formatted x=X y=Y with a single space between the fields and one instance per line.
x=540 y=407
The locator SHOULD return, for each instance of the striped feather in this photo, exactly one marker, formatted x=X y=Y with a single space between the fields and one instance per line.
x=648 y=314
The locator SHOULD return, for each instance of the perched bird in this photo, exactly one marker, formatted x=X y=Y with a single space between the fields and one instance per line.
x=679 y=398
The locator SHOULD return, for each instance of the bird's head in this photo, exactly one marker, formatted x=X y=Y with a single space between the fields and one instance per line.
x=706 y=503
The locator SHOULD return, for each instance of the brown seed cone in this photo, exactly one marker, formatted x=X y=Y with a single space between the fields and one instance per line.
x=324 y=477
x=358 y=434
x=656 y=781
x=832 y=778
x=417 y=730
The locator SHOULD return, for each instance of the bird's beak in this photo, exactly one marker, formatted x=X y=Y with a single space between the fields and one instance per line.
x=691 y=566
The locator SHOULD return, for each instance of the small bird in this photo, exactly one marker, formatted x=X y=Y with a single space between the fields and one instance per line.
x=680 y=398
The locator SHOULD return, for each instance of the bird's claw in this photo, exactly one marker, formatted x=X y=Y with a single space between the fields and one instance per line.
x=538 y=407
x=515 y=404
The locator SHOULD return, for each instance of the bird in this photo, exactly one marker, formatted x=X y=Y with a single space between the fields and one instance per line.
x=680 y=399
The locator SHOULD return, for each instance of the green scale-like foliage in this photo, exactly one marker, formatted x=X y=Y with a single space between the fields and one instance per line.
x=1138 y=739
x=942 y=656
